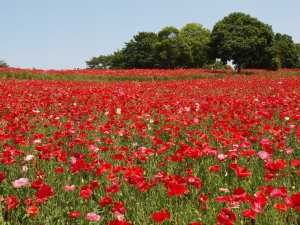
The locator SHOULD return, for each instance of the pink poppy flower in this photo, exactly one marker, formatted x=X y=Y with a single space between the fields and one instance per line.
x=29 y=157
x=93 y=216
x=289 y=151
x=20 y=183
x=24 y=168
x=69 y=188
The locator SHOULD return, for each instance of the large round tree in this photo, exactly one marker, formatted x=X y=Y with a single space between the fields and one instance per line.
x=244 y=40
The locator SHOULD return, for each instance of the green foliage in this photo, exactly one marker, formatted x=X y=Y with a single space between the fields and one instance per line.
x=171 y=50
x=3 y=64
x=118 y=60
x=197 y=38
x=101 y=62
x=243 y=39
x=138 y=52
x=298 y=53
x=285 y=51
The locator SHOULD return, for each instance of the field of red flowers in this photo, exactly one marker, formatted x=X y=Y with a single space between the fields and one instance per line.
x=132 y=74
x=114 y=73
x=186 y=152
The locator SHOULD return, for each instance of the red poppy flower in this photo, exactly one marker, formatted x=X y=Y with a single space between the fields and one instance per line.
x=74 y=214
x=249 y=213
x=214 y=168
x=226 y=217
x=85 y=192
x=37 y=184
x=45 y=191
x=295 y=198
x=295 y=162
x=59 y=170
x=118 y=222
x=114 y=188
x=203 y=200
x=28 y=201
x=247 y=152
x=11 y=202
x=243 y=172
x=160 y=216
x=281 y=207
x=94 y=185
x=2 y=177
x=189 y=171
x=105 y=201
x=240 y=194
x=194 y=181
x=178 y=189
x=32 y=210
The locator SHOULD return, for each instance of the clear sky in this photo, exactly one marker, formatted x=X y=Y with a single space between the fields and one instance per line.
x=63 y=34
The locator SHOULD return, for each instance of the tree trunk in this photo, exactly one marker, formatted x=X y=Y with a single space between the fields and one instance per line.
x=239 y=68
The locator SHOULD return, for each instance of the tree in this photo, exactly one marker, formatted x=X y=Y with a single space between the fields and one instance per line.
x=170 y=49
x=197 y=38
x=100 y=62
x=118 y=60
x=285 y=51
x=138 y=52
x=298 y=53
x=244 y=40
x=3 y=64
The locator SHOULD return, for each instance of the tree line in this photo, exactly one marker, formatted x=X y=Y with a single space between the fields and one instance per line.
x=238 y=37
x=3 y=64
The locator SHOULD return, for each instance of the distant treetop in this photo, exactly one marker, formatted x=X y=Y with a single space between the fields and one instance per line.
x=3 y=64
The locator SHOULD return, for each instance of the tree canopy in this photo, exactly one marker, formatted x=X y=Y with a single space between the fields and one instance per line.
x=298 y=53
x=285 y=51
x=197 y=38
x=100 y=62
x=244 y=40
x=170 y=49
x=138 y=52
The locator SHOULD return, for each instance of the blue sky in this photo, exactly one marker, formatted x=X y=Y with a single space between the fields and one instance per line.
x=63 y=34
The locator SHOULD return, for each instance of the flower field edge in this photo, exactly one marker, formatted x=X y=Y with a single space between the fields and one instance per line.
x=107 y=75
